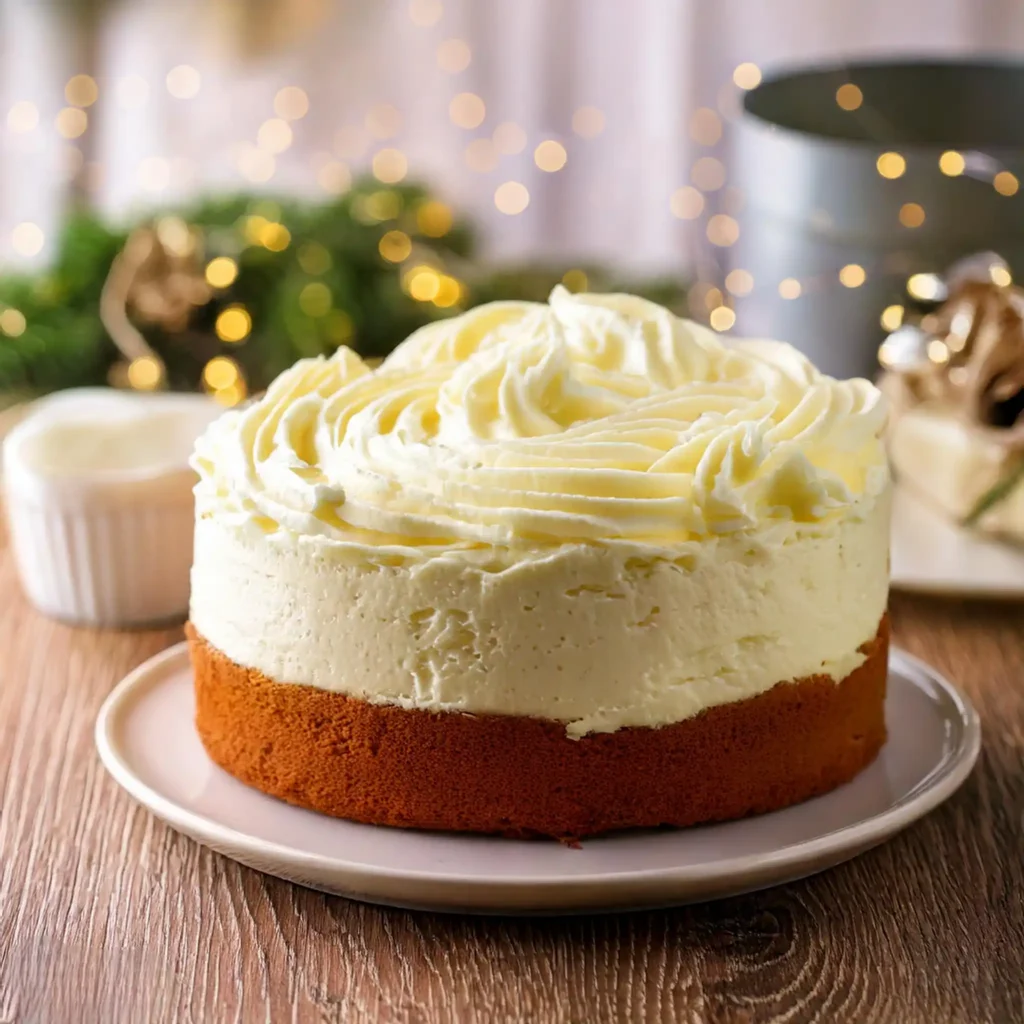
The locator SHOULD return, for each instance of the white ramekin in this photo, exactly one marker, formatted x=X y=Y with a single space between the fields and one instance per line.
x=103 y=547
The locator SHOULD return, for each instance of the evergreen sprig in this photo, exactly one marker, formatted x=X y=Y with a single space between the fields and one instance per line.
x=64 y=343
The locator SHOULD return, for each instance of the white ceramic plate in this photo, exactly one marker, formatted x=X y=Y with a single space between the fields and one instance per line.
x=147 y=741
x=932 y=555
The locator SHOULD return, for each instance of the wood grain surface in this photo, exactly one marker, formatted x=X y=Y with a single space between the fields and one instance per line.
x=107 y=916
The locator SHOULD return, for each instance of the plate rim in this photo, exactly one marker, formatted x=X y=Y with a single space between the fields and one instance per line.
x=938 y=785
x=940 y=588
x=907 y=499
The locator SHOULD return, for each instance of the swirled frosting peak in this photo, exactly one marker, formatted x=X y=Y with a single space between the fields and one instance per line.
x=593 y=418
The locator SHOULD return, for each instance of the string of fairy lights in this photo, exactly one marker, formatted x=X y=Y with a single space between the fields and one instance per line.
x=722 y=230
x=373 y=142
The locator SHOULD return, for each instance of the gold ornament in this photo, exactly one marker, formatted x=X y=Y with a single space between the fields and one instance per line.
x=158 y=279
x=968 y=355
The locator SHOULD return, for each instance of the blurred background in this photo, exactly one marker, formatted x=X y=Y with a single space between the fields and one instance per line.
x=195 y=193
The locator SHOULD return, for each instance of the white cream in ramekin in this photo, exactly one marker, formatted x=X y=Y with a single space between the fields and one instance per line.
x=99 y=499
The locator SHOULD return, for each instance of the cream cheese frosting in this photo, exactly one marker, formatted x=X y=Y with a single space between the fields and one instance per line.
x=588 y=510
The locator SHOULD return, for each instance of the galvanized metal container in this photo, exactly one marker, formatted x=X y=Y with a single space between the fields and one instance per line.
x=918 y=165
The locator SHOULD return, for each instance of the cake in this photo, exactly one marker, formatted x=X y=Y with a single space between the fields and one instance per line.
x=956 y=435
x=551 y=569
x=953 y=465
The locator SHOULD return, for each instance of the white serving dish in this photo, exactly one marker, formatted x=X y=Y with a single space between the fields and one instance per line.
x=98 y=493
x=147 y=740
x=933 y=555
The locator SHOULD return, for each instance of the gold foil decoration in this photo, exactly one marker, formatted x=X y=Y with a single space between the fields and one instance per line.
x=158 y=278
x=969 y=356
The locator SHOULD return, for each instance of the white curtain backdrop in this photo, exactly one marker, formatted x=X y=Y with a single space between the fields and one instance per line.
x=372 y=75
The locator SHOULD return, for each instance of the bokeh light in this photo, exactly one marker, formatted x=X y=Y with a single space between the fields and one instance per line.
x=449 y=291
x=231 y=396
x=722 y=230
x=1005 y=183
x=27 y=239
x=705 y=126
x=708 y=174
x=912 y=215
x=72 y=122
x=454 y=55
x=722 y=318
x=952 y=163
x=381 y=205
x=175 y=236
x=576 y=280
x=790 y=288
x=425 y=12
x=315 y=299
x=550 y=156
x=220 y=372
x=338 y=327
x=423 y=283
x=12 y=322
x=314 y=258
x=23 y=117
x=221 y=272
x=713 y=297
x=395 y=246
x=467 y=110
x=891 y=165
x=291 y=103
x=434 y=218
x=1000 y=276
x=511 y=197
x=892 y=317
x=852 y=275
x=273 y=236
x=926 y=287
x=274 y=135
x=588 y=122
x=739 y=282
x=747 y=76
x=849 y=96
x=233 y=324
x=145 y=373
x=509 y=138
x=686 y=203
x=183 y=82
x=81 y=91
x=390 y=166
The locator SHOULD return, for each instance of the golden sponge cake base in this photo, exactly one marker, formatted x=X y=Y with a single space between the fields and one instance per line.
x=520 y=776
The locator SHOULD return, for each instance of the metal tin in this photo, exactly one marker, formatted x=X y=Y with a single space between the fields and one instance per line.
x=816 y=199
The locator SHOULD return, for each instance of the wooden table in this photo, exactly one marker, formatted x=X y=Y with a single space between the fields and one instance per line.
x=107 y=916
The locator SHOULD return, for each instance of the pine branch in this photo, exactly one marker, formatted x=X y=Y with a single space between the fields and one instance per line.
x=998 y=492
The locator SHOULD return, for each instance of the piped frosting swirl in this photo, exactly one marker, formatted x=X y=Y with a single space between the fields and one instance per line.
x=594 y=418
